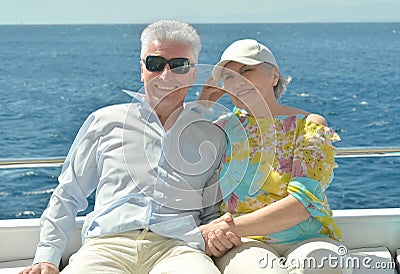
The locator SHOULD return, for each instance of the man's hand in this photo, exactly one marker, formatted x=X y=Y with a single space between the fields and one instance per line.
x=218 y=237
x=41 y=268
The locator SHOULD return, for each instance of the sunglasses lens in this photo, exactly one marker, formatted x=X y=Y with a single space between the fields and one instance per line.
x=155 y=63
x=177 y=65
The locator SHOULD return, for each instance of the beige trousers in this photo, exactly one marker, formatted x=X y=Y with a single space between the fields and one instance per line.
x=138 y=252
x=311 y=256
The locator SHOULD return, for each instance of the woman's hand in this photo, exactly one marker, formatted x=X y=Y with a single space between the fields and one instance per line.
x=210 y=93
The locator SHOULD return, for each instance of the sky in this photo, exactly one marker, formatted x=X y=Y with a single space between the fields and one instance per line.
x=200 y=11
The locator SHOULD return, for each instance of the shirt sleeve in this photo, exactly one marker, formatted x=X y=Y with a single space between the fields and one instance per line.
x=211 y=201
x=313 y=165
x=77 y=181
x=212 y=197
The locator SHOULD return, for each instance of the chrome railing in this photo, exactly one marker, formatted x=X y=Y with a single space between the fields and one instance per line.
x=360 y=152
x=341 y=152
x=28 y=163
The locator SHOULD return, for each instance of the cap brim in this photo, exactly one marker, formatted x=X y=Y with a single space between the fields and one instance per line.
x=217 y=71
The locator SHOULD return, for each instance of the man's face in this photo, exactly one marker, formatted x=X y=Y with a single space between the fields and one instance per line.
x=166 y=90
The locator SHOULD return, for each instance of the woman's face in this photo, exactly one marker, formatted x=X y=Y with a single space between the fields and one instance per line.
x=249 y=85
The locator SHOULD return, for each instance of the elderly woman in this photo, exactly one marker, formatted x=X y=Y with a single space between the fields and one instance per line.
x=278 y=164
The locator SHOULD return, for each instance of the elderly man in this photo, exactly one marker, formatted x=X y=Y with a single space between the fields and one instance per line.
x=154 y=166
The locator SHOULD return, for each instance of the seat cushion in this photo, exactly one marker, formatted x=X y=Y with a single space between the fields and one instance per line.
x=378 y=259
x=14 y=266
x=373 y=260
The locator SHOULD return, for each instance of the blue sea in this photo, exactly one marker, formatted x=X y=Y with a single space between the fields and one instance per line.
x=53 y=76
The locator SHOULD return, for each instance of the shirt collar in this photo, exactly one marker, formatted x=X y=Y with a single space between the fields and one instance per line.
x=147 y=111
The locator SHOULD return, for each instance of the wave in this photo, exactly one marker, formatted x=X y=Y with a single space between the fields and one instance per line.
x=39 y=192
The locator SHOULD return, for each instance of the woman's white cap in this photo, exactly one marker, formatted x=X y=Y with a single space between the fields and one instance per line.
x=246 y=51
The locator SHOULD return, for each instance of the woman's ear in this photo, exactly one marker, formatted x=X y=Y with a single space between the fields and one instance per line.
x=276 y=76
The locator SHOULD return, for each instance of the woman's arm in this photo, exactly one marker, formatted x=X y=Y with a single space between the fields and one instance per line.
x=210 y=93
x=273 y=218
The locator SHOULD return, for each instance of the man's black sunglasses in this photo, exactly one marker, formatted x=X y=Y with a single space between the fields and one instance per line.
x=177 y=65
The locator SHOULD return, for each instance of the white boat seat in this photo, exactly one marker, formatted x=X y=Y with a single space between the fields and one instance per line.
x=379 y=256
x=14 y=267
x=378 y=260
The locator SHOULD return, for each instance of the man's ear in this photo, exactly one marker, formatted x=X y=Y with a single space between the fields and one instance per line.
x=193 y=71
x=141 y=70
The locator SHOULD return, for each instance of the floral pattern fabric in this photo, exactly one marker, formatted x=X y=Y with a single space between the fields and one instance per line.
x=270 y=158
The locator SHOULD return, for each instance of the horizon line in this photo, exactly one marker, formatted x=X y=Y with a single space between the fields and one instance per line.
x=202 y=23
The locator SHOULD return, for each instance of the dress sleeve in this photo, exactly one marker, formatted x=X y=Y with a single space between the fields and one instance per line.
x=78 y=179
x=313 y=165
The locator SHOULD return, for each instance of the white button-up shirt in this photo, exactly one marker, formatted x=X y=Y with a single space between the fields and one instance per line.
x=144 y=177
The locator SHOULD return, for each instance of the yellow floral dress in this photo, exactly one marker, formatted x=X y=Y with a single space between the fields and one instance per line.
x=267 y=159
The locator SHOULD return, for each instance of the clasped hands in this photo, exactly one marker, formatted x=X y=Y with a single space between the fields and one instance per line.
x=219 y=236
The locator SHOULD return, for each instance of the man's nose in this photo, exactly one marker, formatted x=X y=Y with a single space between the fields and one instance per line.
x=166 y=73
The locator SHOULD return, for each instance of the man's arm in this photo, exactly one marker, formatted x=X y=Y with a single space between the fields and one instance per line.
x=212 y=199
x=77 y=180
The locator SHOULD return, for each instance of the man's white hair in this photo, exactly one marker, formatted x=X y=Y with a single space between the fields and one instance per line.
x=166 y=30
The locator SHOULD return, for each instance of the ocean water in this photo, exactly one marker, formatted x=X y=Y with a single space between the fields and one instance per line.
x=52 y=77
